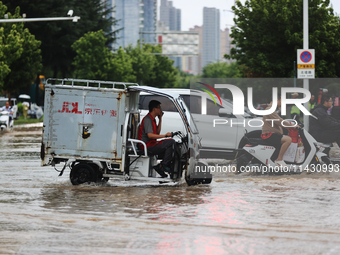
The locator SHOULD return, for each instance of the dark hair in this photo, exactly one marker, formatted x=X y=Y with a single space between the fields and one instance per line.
x=325 y=98
x=153 y=104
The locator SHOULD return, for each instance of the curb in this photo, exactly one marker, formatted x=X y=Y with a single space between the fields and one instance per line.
x=40 y=124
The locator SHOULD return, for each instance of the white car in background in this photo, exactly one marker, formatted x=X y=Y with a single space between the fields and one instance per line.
x=220 y=141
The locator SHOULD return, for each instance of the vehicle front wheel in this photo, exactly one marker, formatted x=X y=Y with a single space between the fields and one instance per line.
x=190 y=182
x=242 y=162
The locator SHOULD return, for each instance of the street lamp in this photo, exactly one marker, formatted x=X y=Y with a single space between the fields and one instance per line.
x=70 y=13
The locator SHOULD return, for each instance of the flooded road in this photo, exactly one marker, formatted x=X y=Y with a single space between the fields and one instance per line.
x=41 y=213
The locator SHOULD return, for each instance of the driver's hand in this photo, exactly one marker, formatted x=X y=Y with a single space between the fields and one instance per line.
x=168 y=134
x=297 y=127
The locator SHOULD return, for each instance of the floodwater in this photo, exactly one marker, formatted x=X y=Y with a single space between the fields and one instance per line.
x=41 y=213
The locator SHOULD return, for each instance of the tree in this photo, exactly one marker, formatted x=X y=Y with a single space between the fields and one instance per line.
x=221 y=70
x=268 y=33
x=10 y=46
x=142 y=62
x=122 y=67
x=163 y=73
x=20 y=54
x=10 y=50
x=183 y=79
x=58 y=36
x=93 y=59
x=134 y=64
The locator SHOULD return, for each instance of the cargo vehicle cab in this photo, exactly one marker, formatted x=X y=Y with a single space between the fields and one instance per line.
x=91 y=127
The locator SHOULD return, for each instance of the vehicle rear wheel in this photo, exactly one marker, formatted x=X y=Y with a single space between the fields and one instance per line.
x=98 y=174
x=82 y=173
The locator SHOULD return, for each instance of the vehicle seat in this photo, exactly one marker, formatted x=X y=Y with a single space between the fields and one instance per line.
x=324 y=144
x=133 y=149
x=259 y=141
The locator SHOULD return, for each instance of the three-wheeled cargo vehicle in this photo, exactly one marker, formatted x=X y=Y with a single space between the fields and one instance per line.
x=92 y=126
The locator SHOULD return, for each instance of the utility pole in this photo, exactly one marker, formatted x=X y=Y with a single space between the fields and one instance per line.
x=305 y=47
x=294 y=74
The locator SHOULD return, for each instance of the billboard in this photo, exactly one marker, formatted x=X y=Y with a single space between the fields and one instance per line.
x=179 y=43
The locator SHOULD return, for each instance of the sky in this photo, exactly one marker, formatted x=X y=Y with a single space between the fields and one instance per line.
x=192 y=11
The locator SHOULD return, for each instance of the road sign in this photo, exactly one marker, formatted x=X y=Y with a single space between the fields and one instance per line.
x=306 y=57
x=306 y=64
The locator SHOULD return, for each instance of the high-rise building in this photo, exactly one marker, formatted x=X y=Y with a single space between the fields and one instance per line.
x=149 y=20
x=171 y=17
x=134 y=16
x=194 y=64
x=225 y=44
x=211 y=36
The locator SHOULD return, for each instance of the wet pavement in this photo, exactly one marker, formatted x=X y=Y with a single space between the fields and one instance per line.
x=41 y=213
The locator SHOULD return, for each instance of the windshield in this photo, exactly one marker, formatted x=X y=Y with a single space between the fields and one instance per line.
x=2 y=103
x=189 y=118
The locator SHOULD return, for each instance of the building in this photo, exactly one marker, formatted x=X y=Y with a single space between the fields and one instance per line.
x=171 y=17
x=225 y=45
x=134 y=16
x=211 y=36
x=149 y=20
x=194 y=64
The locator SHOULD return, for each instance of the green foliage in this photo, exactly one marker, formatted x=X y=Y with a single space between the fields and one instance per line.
x=163 y=73
x=121 y=67
x=221 y=70
x=150 y=69
x=92 y=59
x=95 y=61
x=268 y=33
x=20 y=108
x=134 y=64
x=4 y=60
x=183 y=79
x=142 y=62
x=20 y=58
x=58 y=36
x=23 y=121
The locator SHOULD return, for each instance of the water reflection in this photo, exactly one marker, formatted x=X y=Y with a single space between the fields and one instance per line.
x=141 y=202
x=41 y=213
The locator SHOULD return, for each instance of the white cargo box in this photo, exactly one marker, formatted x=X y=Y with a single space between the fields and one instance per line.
x=86 y=122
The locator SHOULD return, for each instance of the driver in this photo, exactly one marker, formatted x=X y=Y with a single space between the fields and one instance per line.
x=149 y=132
x=272 y=132
x=8 y=108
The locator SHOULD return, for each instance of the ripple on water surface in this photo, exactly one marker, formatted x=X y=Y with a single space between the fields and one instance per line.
x=42 y=213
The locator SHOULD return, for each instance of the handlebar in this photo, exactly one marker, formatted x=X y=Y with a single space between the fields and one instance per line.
x=300 y=124
x=175 y=133
x=183 y=137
